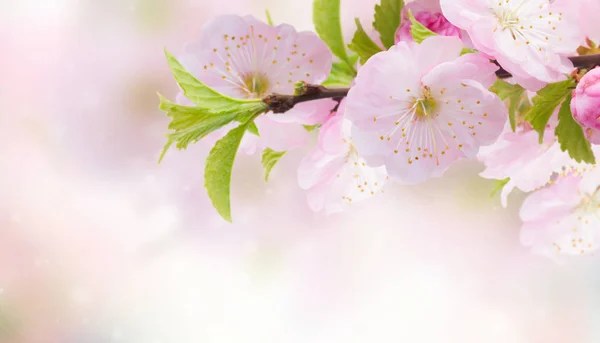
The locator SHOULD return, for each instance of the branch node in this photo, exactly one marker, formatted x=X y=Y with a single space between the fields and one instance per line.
x=279 y=103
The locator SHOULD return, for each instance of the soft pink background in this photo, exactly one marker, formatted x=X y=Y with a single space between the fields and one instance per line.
x=99 y=243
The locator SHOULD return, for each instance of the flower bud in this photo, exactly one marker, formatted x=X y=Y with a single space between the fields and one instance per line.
x=585 y=105
x=433 y=20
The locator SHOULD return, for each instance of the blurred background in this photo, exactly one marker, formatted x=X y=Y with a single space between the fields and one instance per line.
x=99 y=243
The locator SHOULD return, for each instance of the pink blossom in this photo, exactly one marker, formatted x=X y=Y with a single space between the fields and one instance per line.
x=334 y=175
x=585 y=105
x=530 y=39
x=418 y=108
x=430 y=16
x=520 y=157
x=248 y=59
x=563 y=218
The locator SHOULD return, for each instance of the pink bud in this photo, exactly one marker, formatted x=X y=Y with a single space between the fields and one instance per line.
x=586 y=104
x=433 y=20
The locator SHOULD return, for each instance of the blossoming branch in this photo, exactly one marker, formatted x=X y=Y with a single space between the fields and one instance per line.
x=512 y=83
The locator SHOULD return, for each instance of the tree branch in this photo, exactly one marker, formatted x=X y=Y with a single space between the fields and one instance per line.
x=279 y=103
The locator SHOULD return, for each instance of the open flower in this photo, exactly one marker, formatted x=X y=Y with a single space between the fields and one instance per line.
x=531 y=39
x=528 y=164
x=586 y=104
x=418 y=108
x=334 y=175
x=430 y=15
x=564 y=219
x=245 y=58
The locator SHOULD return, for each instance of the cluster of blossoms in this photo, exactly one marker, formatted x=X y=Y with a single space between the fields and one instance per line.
x=430 y=92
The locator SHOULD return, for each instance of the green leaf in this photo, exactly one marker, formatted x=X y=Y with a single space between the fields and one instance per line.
x=387 y=20
x=571 y=136
x=362 y=44
x=545 y=102
x=525 y=106
x=341 y=74
x=269 y=19
x=199 y=93
x=418 y=31
x=326 y=17
x=498 y=185
x=253 y=129
x=465 y=51
x=217 y=173
x=270 y=159
x=311 y=128
x=514 y=94
x=190 y=124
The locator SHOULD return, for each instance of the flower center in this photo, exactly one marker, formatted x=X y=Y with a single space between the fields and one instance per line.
x=426 y=106
x=591 y=203
x=507 y=18
x=352 y=152
x=256 y=85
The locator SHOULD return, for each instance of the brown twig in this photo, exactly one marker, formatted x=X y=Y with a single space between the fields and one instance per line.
x=279 y=103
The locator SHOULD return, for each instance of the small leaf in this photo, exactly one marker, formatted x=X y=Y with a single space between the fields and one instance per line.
x=362 y=44
x=465 y=51
x=253 y=129
x=270 y=159
x=311 y=128
x=341 y=74
x=571 y=136
x=269 y=19
x=498 y=185
x=514 y=94
x=326 y=17
x=418 y=31
x=545 y=102
x=217 y=173
x=387 y=20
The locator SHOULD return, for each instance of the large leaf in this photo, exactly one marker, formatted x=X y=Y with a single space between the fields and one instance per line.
x=514 y=94
x=270 y=158
x=545 y=102
x=362 y=44
x=571 y=136
x=341 y=73
x=326 y=17
x=418 y=31
x=199 y=93
x=190 y=124
x=387 y=20
x=217 y=173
